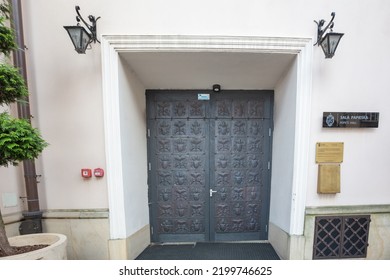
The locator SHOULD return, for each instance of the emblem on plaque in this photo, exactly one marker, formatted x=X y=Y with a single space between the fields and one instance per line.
x=330 y=120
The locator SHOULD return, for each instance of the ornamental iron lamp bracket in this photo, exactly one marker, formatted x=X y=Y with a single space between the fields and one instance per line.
x=330 y=40
x=82 y=37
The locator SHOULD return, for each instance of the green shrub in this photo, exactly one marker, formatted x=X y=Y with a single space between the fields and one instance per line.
x=18 y=140
x=12 y=85
x=7 y=38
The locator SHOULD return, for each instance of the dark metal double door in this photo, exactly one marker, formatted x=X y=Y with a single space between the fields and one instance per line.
x=209 y=165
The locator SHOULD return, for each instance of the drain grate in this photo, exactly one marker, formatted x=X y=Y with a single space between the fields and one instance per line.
x=341 y=236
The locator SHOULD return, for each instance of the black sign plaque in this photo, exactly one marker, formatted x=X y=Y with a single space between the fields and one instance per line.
x=343 y=119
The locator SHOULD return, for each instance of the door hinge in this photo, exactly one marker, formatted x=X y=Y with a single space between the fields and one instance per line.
x=151 y=230
x=150 y=166
x=269 y=132
x=148 y=133
x=266 y=228
x=269 y=165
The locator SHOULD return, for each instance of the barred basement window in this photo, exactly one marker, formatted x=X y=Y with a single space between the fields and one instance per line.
x=341 y=237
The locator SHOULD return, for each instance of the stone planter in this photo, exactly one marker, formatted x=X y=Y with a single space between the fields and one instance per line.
x=55 y=251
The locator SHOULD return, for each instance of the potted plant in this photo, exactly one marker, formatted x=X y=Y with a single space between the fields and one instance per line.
x=19 y=141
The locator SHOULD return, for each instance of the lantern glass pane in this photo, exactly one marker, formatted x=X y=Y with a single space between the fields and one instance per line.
x=329 y=43
x=79 y=36
x=325 y=46
x=334 y=39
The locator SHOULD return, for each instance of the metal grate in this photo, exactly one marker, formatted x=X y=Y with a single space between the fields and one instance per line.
x=355 y=238
x=341 y=237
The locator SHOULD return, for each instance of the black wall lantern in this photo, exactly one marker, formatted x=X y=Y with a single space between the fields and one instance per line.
x=81 y=37
x=330 y=40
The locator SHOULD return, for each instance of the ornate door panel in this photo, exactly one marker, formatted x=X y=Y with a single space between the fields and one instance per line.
x=240 y=145
x=179 y=163
x=208 y=174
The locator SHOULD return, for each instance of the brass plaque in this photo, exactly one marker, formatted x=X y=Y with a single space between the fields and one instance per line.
x=328 y=178
x=330 y=152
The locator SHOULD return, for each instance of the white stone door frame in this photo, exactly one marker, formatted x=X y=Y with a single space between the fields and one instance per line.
x=113 y=45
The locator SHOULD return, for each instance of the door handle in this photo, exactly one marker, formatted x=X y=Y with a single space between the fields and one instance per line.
x=211 y=192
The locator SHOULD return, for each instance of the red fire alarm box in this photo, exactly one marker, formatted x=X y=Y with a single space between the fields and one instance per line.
x=98 y=172
x=86 y=173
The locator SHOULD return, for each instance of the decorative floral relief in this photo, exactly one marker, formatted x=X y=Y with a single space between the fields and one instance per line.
x=222 y=210
x=195 y=195
x=223 y=109
x=163 y=109
x=256 y=108
x=196 y=162
x=252 y=225
x=180 y=128
x=238 y=194
x=180 y=178
x=196 y=145
x=223 y=178
x=181 y=194
x=223 y=162
x=239 y=109
x=223 y=194
x=164 y=128
x=180 y=161
x=223 y=128
x=181 y=226
x=253 y=177
x=239 y=128
x=251 y=209
x=180 y=145
x=164 y=146
x=181 y=209
x=238 y=225
x=180 y=109
x=166 y=226
x=222 y=225
x=165 y=194
x=165 y=210
x=196 y=226
x=238 y=177
x=252 y=194
x=165 y=162
x=238 y=209
x=196 y=109
x=239 y=161
x=254 y=145
x=196 y=210
x=239 y=145
x=253 y=161
x=223 y=145
x=196 y=178
x=165 y=178
x=255 y=128
x=196 y=128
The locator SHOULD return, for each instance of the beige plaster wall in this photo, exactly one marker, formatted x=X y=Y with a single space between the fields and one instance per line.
x=66 y=90
x=66 y=87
